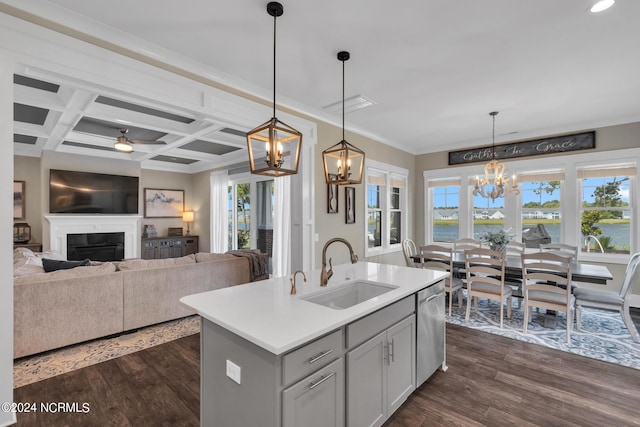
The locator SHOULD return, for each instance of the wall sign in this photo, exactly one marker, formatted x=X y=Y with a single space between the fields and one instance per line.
x=556 y=144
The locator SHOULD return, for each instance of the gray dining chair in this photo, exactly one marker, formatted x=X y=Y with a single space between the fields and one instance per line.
x=612 y=300
x=546 y=281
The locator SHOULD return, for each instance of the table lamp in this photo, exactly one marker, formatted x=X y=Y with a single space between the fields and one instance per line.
x=187 y=216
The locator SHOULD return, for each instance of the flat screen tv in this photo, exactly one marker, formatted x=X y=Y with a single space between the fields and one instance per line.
x=87 y=192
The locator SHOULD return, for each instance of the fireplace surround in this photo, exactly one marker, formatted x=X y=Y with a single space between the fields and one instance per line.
x=60 y=226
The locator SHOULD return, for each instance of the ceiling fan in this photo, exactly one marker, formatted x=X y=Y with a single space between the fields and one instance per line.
x=125 y=144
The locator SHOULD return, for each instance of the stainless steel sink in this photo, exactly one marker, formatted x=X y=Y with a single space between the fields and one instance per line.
x=348 y=294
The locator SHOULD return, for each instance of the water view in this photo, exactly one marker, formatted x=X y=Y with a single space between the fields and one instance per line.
x=619 y=233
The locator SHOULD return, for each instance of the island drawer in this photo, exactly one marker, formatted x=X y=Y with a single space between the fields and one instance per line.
x=311 y=357
x=363 y=329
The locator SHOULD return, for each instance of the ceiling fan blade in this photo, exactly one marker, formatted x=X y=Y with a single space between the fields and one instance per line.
x=141 y=141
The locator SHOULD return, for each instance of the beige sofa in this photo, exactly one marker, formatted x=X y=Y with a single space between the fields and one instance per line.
x=65 y=307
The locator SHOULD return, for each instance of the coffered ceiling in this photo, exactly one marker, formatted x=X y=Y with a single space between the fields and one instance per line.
x=432 y=70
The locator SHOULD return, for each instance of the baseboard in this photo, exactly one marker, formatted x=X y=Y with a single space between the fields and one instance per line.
x=635 y=300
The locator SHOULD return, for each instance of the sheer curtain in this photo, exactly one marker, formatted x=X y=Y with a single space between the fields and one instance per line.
x=219 y=222
x=281 y=260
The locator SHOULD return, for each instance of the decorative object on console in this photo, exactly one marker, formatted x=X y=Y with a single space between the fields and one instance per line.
x=175 y=231
x=188 y=217
x=282 y=143
x=343 y=162
x=163 y=203
x=332 y=196
x=18 y=200
x=494 y=184
x=149 y=231
x=350 y=203
x=21 y=232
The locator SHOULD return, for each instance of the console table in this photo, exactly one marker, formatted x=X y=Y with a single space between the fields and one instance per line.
x=35 y=247
x=168 y=247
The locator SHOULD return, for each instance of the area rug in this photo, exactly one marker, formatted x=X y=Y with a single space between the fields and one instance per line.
x=30 y=369
x=603 y=335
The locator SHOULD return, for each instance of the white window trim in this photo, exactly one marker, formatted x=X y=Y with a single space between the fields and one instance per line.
x=570 y=194
x=388 y=170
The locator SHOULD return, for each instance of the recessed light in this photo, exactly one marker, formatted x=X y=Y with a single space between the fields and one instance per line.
x=601 y=5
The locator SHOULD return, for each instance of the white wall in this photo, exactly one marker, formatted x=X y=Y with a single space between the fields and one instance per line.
x=6 y=247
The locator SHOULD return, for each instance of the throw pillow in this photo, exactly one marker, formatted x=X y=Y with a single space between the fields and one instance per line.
x=54 y=264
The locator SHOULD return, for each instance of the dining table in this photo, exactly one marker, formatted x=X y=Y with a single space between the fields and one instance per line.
x=580 y=272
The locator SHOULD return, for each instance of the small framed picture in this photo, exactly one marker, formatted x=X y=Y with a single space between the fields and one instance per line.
x=350 y=203
x=332 y=196
x=18 y=200
x=163 y=203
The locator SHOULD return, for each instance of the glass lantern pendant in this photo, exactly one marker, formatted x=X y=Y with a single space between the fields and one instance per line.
x=343 y=162
x=274 y=147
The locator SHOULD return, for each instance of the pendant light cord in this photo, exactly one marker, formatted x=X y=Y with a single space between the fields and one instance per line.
x=274 y=66
x=493 y=137
x=343 y=100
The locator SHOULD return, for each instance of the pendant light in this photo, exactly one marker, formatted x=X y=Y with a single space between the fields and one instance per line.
x=343 y=162
x=495 y=184
x=274 y=147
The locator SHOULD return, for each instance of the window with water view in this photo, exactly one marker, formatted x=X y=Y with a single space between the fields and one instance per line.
x=606 y=213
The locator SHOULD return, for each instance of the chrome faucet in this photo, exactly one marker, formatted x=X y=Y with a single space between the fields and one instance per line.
x=326 y=274
x=293 y=281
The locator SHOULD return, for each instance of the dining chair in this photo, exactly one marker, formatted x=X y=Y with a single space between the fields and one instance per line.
x=409 y=250
x=546 y=282
x=612 y=300
x=461 y=245
x=515 y=249
x=485 y=279
x=560 y=249
x=441 y=258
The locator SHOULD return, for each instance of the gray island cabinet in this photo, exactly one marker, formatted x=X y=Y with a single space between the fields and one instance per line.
x=273 y=359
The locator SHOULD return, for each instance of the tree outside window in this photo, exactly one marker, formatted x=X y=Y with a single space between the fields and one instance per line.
x=606 y=214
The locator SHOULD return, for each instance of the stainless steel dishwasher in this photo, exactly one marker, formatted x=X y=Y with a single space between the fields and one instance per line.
x=430 y=339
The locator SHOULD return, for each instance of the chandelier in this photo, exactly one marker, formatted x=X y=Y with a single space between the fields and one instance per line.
x=494 y=184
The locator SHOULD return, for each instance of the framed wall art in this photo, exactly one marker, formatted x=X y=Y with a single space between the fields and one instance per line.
x=18 y=200
x=350 y=203
x=332 y=196
x=163 y=203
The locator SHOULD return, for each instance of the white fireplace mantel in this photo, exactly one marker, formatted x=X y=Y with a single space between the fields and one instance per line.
x=61 y=225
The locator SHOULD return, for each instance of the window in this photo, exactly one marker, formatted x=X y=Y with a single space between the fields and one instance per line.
x=579 y=200
x=606 y=209
x=487 y=215
x=251 y=213
x=445 y=210
x=386 y=200
x=541 y=202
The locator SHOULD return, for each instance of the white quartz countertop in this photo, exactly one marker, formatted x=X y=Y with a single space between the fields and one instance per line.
x=265 y=313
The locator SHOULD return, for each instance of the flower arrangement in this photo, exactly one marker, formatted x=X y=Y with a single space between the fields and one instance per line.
x=497 y=239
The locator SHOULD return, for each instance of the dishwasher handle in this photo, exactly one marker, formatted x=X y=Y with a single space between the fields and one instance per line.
x=429 y=299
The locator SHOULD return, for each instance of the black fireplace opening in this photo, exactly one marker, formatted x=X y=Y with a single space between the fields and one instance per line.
x=96 y=246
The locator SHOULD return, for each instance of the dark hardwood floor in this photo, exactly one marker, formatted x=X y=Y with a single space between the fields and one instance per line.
x=491 y=381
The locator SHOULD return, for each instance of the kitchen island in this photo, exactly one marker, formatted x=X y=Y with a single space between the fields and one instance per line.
x=270 y=358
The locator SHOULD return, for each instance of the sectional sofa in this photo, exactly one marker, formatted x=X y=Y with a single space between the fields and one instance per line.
x=65 y=307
